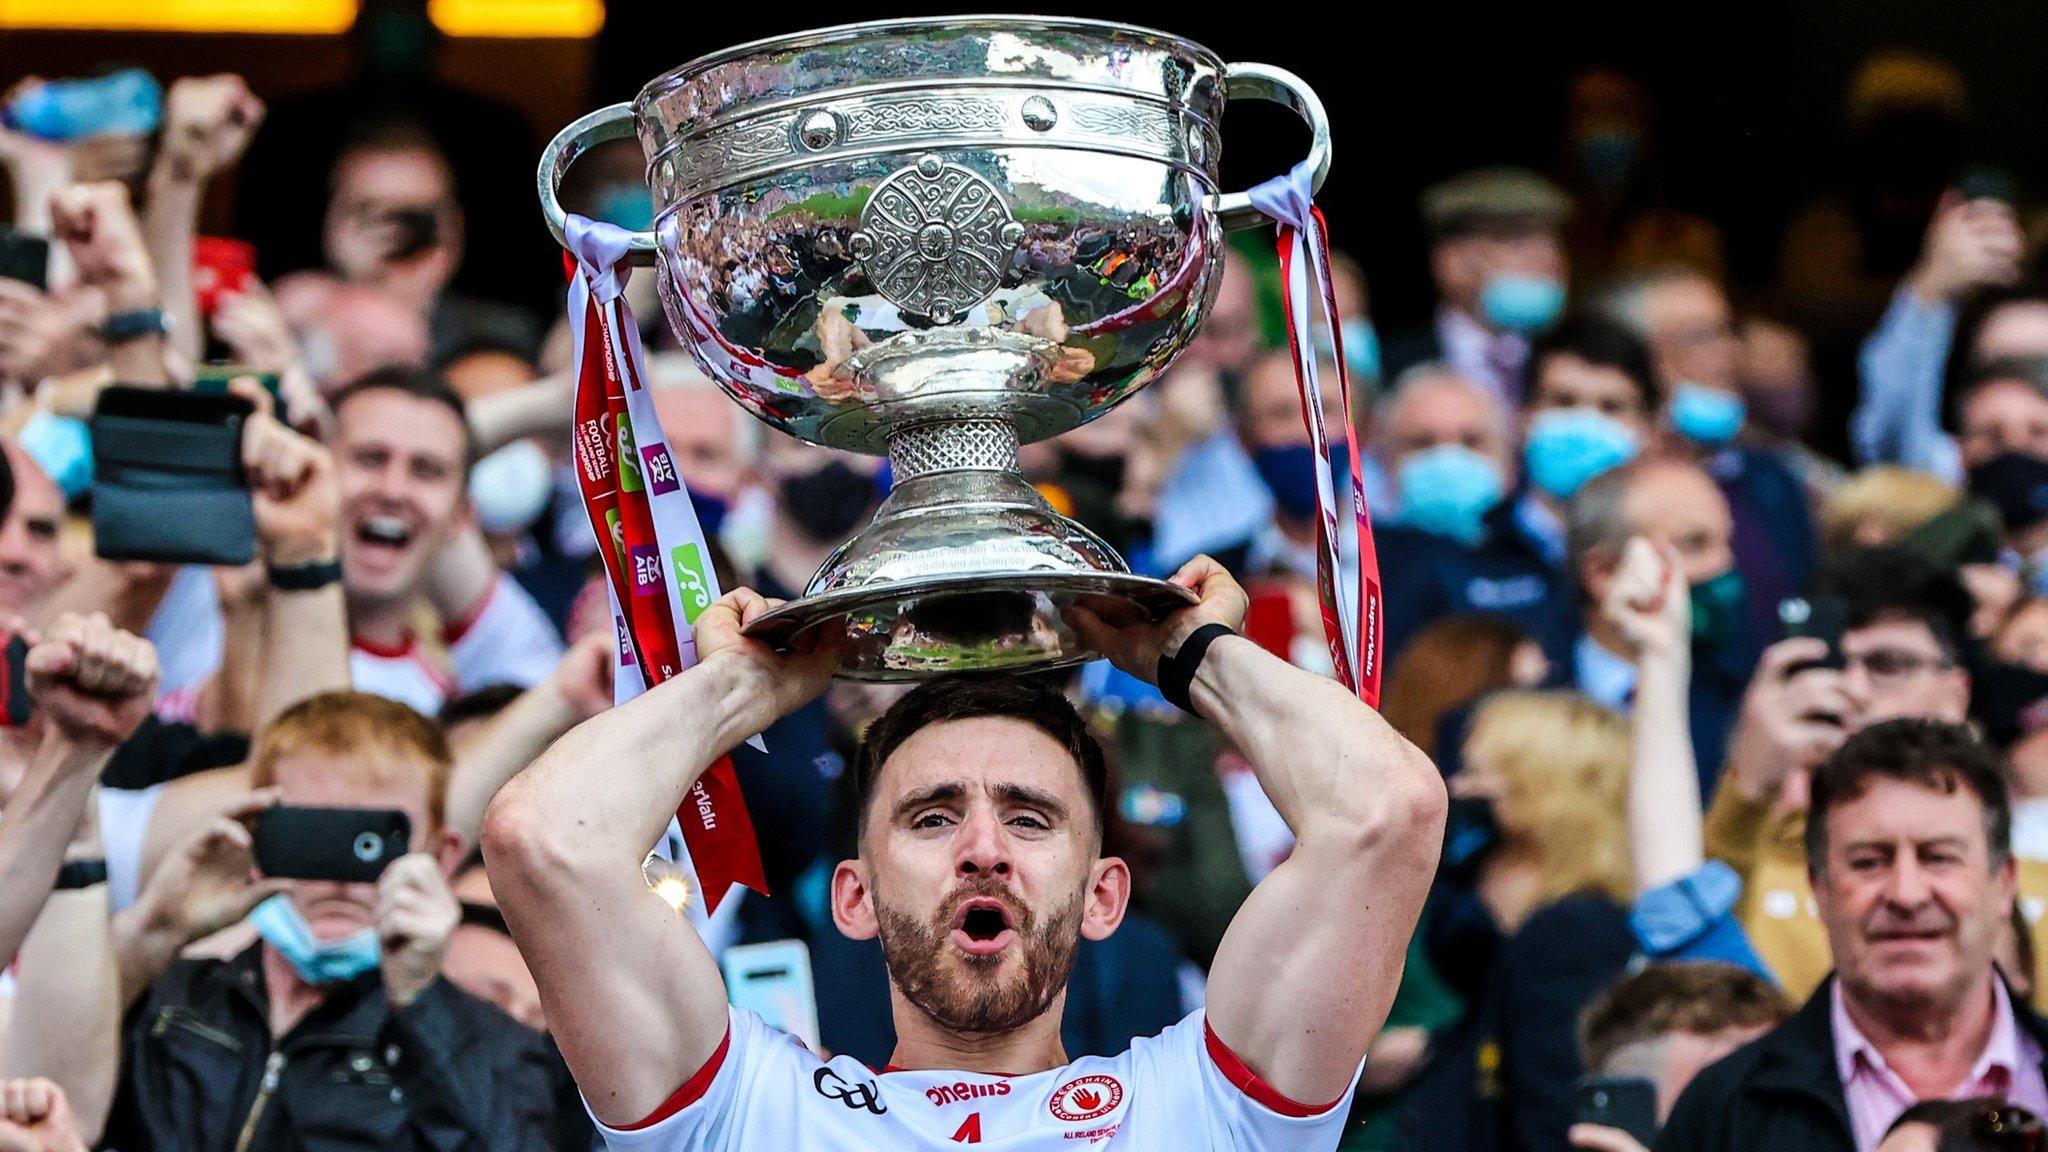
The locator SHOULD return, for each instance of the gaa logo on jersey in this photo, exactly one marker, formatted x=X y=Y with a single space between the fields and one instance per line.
x=1086 y=1098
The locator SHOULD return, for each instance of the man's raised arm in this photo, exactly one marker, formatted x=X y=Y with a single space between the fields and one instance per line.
x=632 y=995
x=1306 y=973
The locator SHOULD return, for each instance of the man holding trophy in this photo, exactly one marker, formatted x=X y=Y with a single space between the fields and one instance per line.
x=892 y=238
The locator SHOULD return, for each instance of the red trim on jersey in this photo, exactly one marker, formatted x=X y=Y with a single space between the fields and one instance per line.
x=1248 y=1082
x=398 y=651
x=692 y=1090
x=452 y=633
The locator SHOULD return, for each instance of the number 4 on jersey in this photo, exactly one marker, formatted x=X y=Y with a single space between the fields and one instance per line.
x=970 y=1131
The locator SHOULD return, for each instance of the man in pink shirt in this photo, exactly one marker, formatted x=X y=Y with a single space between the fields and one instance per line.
x=1908 y=848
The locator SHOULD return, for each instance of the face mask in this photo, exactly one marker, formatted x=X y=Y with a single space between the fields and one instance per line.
x=1717 y=604
x=1521 y=304
x=627 y=205
x=748 y=529
x=1784 y=411
x=511 y=487
x=1290 y=471
x=1706 y=416
x=62 y=447
x=1105 y=472
x=2010 y=700
x=2017 y=485
x=316 y=961
x=2030 y=829
x=1470 y=831
x=1361 y=349
x=827 y=503
x=710 y=509
x=1448 y=490
x=1568 y=447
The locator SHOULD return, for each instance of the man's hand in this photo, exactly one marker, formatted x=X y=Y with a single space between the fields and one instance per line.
x=99 y=227
x=210 y=881
x=416 y=914
x=92 y=682
x=584 y=677
x=208 y=123
x=291 y=484
x=254 y=327
x=1791 y=717
x=1649 y=602
x=46 y=334
x=35 y=1117
x=1121 y=632
x=1970 y=244
x=1600 y=1138
x=788 y=681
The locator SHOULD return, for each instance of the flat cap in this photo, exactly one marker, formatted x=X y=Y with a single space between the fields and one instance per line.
x=1492 y=196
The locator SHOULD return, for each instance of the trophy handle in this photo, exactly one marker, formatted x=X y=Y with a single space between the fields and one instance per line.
x=1264 y=82
x=612 y=123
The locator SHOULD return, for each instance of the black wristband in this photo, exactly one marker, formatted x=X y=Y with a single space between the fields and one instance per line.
x=134 y=324
x=305 y=577
x=1177 y=672
x=81 y=874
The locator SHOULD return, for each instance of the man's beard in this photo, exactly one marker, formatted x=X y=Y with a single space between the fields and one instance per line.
x=979 y=1002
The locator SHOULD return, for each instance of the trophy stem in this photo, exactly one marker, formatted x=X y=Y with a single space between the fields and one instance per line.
x=979 y=443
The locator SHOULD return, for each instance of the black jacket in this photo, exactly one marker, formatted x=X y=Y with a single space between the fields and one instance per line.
x=1781 y=1090
x=448 y=1072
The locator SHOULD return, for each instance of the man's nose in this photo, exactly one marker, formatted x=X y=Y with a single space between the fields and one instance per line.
x=1908 y=886
x=981 y=847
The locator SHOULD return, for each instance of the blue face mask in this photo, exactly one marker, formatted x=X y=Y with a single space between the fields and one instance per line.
x=1706 y=416
x=316 y=961
x=629 y=206
x=1521 y=304
x=1567 y=447
x=62 y=447
x=1361 y=348
x=1448 y=490
x=1290 y=471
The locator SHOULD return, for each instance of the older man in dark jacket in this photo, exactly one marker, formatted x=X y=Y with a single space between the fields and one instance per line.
x=1908 y=845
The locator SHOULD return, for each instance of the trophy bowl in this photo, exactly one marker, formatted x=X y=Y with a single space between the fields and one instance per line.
x=938 y=239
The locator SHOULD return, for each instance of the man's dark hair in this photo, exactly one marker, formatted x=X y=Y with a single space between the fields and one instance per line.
x=1600 y=342
x=1889 y=583
x=414 y=383
x=1033 y=701
x=1973 y=315
x=1699 y=997
x=1930 y=753
x=1978 y=1124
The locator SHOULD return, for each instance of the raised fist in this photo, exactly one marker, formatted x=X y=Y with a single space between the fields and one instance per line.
x=93 y=683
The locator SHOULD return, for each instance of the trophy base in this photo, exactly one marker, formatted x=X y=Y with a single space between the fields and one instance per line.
x=965 y=569
x=1010 y=621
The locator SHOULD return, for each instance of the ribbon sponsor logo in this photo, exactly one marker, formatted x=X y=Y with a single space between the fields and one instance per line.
x=590 y=451
x=629 y=465
x=693 y=587
x=646 y=570
x=625 y=641
x=1086 y=1098
x=660 y=470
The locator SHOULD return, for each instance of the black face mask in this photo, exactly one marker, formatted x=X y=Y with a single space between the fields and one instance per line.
x=827 y=503
x=2010 y=701
x=1470 y=833
x=1106 y=472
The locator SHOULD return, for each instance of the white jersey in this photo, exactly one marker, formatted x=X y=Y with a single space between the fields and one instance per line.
x=508 y=640
x=1181 y=1090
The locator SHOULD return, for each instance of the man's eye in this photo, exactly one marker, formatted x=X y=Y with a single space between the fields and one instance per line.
x=1030 y=822
x=931 y=820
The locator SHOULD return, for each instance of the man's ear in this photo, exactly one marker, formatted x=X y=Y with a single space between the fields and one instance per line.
x=450 y=850
x=853 y=905
x=1597 y=571
x=1109 y=896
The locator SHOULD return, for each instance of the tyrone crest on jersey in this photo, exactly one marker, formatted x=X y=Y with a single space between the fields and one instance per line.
x=1086 y=1098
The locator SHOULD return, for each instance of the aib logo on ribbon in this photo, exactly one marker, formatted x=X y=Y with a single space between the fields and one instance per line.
x=693 y=586
x=646 y=569
x=661 y=471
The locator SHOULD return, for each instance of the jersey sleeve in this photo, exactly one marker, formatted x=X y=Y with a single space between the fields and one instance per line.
x=124 y=825
x=741 y=1099
x=1186 y=1071
x=508 y=640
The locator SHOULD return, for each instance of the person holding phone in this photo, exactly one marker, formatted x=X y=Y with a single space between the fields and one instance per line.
x=338 y=1021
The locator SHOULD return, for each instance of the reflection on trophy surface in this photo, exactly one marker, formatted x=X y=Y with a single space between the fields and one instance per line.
x=937 y=240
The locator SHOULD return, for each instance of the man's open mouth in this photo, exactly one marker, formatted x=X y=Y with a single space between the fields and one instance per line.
x=982 y=926
x=384 y=531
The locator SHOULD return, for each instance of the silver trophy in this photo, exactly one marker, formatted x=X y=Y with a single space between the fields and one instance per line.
x=939 y=239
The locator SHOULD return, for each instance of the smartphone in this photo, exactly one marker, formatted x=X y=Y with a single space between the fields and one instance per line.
x=212 y=380
x=347 y=844
x=1984 y=183
x=220 y=265
x=15 y=705
x=1822 y=618
x=1625 y=1102
x=25 y=258
x=773 y=981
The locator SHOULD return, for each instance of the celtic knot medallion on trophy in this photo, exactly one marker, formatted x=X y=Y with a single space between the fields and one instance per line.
x=935 y=239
